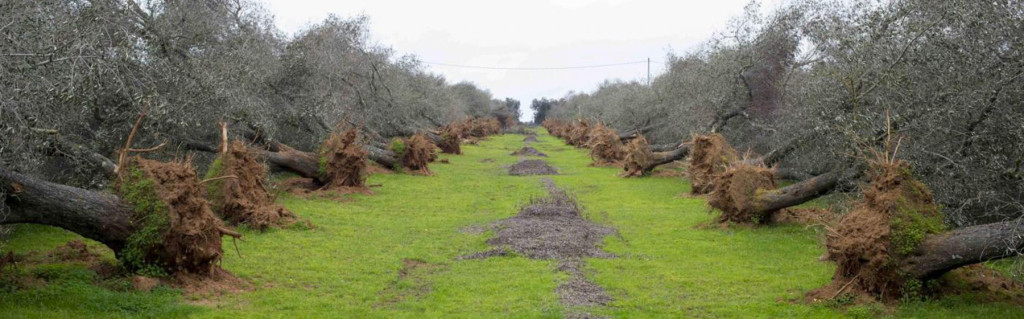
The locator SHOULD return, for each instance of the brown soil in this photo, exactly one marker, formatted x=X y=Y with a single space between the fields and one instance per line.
x=605 y=146
x=191 y=243
x=528 y=151
x=144 y=284
x=375 y=168
x=74 y=250
x=981 y=283
x=419 y=152
x=217 y=282
x=532 y=167
x=862 y=244
x=638 y=157
x=710 y=155
x=345 y=160
x=735 y=193
x=553 y=227
x=451 y=139
x=530 y=139
x=244 y=199
x=308 y=188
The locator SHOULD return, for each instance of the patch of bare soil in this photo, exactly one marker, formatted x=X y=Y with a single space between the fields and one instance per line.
x=530 y=139
x=217 y=283
x=982 y=283
x=411 y=283
x=307 y=188
x=528 y=151
x=553 y=227
x=531 y=167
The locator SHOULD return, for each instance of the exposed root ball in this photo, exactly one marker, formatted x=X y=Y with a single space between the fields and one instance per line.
x=579 y=134
x=343 y=160
x=237 y=192
x=418 y=153
x=179 y=233
x=528 y=151
x=638 y=158
x=451 y=139
x=482 y=127
x=736 y=190
x=532 y=167
x=709 y=157
x=870 y=244
x=605 y=146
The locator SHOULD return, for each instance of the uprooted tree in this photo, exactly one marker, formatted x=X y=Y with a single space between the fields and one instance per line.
x=235 y=186
x=158 y=219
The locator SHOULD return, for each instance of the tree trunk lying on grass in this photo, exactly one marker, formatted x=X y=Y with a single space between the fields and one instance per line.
x=745 y=193
x=941 y=253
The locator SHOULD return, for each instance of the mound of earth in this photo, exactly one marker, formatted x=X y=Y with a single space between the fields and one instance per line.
x=532 y=167
x=528 y=151
x=530 y=138
x=553 y=227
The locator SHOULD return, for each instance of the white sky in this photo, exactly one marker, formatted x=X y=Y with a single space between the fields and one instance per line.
x=529 y=33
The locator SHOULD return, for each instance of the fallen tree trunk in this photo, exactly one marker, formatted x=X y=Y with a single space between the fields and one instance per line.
x=799 y=193
x=98 y=216
x=307 y=164
x=662 y=158
x=747 y=194
x=941 y=253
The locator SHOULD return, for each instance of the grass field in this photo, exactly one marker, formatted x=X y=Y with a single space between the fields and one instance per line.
x=395 y=254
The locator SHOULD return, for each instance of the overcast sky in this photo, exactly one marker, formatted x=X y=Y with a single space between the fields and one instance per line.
x=529 y=34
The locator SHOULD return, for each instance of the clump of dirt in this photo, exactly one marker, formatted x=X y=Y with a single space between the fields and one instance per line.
x=179 y=233
x=605 y=146
x=532 y=167
x=638 y=157
x=237 y=191
x=530 y=139
x=806 y=216
x=74 y=250
x=869 y=244
x=528 y=151
x=417 y=153
x=710 y=155
x=217 y=282
x=736 y=190
x=982 y=283
x=451 y=139
x=343 y=160
x=553 y=227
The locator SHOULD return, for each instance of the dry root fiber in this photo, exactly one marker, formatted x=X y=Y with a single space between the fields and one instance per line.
x=343 y=160
x=735 y=193
x=237 y=191
x=605 y=146
x=451 y=139
x=179 y=232
x=870 y=244
x=418 y=153
x=482 y=127
x=638 y=158
x=579 y=134
x=710 y=155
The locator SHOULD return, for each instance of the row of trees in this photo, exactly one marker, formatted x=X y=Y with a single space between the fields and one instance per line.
x=834 y=78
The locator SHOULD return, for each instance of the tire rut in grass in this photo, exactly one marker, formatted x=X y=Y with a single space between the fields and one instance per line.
x=553 y=227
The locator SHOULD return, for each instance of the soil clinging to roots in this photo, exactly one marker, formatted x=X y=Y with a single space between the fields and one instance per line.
x=735 y=193
x=553 y=227
x=180 y=233
x=638 y=157
x=418 y=153
x=343 y=160
x=605 y=146
x=237 y=191
x=710 y=155
x=871 y=242
x=528 y=151
x=532 y=167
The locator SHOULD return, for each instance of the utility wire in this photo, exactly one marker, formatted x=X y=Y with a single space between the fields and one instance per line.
x=537 y=68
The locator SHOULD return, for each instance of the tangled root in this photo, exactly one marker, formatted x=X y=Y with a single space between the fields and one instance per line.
x=418 y=152
x=638 y=158
x=451 y=139
x=605 y=146
x=869 y=244
x=710 y=155
x=237 y=192
x=579 y=134
x=735 y=193
x=179 y=233
x=343 y=160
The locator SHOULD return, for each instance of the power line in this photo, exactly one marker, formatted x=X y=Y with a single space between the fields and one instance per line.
x=537 y=68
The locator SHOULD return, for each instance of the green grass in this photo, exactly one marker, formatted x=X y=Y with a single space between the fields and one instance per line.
x=349 y=265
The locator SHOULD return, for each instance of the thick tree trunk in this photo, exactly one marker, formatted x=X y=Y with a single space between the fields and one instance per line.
x=799 y=193
x=664 y=147
x=94 y=215
x=662 y=158
x=308 y=165
x=629 y=135
x=941 y=253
